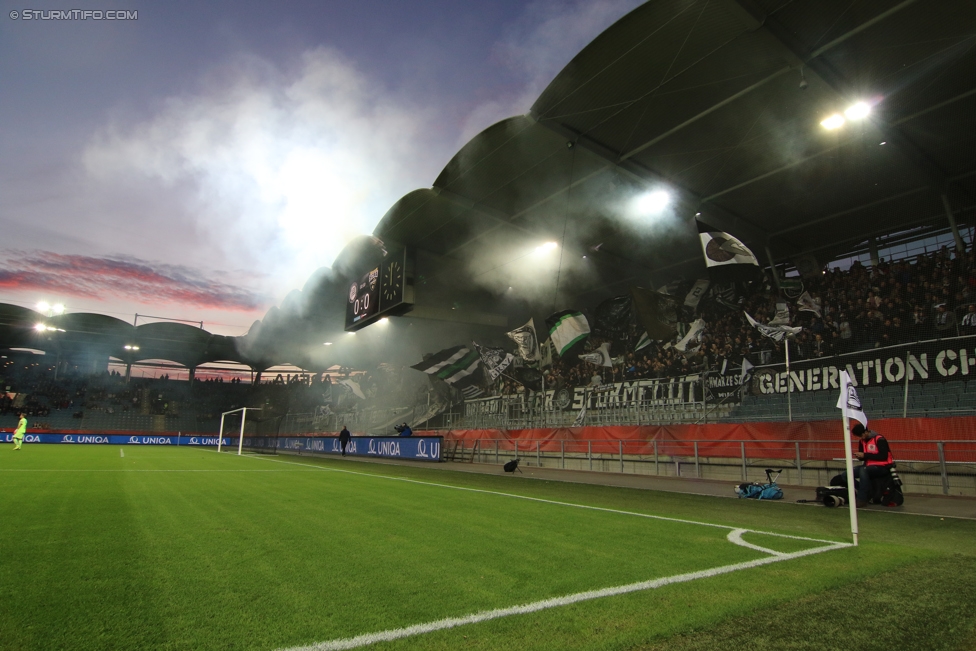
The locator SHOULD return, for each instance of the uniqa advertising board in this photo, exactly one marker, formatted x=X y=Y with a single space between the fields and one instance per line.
x=114 y=439
x=419 y=448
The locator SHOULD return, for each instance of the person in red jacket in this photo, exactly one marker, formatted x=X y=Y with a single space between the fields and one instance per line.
x=873 y=450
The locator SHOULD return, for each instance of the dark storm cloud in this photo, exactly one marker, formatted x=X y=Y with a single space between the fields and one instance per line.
x=121 y=277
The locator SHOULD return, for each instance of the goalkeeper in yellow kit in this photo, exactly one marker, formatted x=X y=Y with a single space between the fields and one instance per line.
x=19 y=432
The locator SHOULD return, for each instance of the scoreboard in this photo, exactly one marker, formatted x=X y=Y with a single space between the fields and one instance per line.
x=382 y=289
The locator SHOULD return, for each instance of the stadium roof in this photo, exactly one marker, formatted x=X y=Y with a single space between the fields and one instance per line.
x=720 y=102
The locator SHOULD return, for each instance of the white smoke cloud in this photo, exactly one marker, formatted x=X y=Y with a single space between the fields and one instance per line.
x=285 y=166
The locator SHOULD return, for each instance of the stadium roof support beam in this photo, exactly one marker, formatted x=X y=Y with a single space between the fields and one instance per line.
x=758 y=18
x=812 y=61
x=960 y=245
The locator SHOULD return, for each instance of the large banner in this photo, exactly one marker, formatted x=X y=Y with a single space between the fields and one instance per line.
x=651 y=392
x=930 y=361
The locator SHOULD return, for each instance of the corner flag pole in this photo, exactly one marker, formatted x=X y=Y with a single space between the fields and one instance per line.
x=851 y=493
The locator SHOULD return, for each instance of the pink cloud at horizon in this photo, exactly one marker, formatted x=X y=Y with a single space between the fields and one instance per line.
x=114 y=278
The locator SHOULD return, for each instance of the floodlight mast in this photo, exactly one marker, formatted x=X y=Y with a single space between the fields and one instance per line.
x=240 y=441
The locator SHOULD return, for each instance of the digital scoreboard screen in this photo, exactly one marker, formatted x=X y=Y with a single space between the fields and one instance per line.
x=364 y=298
x=385 y=289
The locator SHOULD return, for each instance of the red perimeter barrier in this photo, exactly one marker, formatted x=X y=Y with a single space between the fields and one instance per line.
x=764 y=439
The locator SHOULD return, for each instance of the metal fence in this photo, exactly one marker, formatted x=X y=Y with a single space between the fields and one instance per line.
x=936 y=467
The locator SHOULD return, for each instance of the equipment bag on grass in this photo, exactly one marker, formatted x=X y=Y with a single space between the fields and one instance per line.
x=768 y=491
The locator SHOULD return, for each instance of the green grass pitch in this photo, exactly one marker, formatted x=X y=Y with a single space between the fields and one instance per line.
x=167 y=548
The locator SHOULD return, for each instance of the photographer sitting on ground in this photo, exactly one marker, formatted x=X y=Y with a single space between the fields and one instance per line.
x=874 y=451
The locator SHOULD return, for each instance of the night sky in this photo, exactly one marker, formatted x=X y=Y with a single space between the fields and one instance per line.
x=203 y=160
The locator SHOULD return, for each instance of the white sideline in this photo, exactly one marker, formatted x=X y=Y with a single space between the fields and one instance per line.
x=453 y=622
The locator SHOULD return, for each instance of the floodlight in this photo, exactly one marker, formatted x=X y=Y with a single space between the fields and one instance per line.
x=835 y=121
x=328 y=343
x=43 y=306
x=545 y=248
x=858 y=111
x=57 y=308
x=652 y=202
x=40 y=327
x=384 y=320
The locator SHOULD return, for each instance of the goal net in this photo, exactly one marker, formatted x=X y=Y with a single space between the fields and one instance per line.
x=244 y=429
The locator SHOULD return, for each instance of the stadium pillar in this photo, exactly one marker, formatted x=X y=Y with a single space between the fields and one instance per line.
x=873 y=248
x=193 y=374
x=960 y=245
x=128 y=370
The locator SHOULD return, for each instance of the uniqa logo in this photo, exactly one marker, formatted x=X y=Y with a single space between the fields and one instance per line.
x=67 y=438
x=134 y=439
x=194 y=440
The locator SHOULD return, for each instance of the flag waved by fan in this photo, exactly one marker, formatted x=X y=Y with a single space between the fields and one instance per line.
x=566 y=329
x=457 y=367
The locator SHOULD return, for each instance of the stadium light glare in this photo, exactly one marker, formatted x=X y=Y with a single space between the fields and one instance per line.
x=652 y=203
x=57 y=308
x=328 y=343
x=858 y=111
x=40 y=327
x=384 y=321
x=43 y=306
x=835 y=121
x=545 y=248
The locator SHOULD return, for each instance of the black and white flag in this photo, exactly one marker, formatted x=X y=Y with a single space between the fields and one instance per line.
x=527 y=341
x=776 y=333
x=697 y=292
x=693 y=335
x=848 y=402
x=807 y=303
x=600 y=356
x=724 y=250
x=782 y=316
x=495 y=360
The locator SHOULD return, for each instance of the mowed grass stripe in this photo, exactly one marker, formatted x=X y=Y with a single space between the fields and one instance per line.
x=286 y=558
x=559 y=602
x=550 y=501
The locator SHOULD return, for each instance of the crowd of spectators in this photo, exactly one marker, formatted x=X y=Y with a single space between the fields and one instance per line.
x=932 y=296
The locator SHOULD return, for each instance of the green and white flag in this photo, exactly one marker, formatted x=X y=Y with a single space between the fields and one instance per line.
x=643 y=342
x=566 y=329
x=457 y=366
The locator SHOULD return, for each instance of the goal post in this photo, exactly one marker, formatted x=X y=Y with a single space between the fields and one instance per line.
x=240 y=441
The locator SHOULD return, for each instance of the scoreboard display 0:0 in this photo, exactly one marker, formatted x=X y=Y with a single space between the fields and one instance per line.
x=364 y=300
